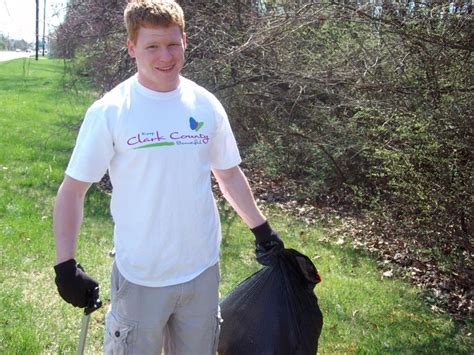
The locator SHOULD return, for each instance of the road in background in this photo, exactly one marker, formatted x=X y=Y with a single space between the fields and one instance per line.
x=5 y=55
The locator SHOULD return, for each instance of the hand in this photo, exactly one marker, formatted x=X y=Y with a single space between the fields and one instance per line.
x=74 y=285
x=267 y=253
x=267 y=244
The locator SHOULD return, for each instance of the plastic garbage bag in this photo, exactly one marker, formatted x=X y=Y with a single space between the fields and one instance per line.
x=274 y=311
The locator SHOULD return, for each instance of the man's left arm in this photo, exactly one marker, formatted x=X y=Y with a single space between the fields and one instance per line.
x=236 y=190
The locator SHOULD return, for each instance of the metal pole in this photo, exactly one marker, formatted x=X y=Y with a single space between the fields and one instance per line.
x=93 y=304
x=37 y=28
x=44 y=23
x=82 y=339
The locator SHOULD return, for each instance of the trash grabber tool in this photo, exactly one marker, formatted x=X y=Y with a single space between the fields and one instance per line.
x=94 y=304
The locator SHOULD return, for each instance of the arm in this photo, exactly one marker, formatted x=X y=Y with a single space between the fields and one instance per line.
x=74 y=285
x=237 y=192
x=236 y=189
x=67 y=217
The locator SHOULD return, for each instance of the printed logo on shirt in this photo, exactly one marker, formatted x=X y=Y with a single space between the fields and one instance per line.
x=195 y=125
x=155 y=139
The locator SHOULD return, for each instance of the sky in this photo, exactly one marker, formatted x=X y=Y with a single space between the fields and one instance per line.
x=18 y=17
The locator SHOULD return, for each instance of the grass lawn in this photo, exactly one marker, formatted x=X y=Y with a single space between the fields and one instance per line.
x=40 y=112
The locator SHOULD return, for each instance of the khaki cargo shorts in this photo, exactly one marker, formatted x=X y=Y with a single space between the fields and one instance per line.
x=181 y=319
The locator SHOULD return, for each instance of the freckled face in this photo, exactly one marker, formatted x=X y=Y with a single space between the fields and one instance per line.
x=159 y=54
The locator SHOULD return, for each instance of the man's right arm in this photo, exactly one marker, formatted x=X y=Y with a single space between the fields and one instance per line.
x=74 y=285
x=67 y=217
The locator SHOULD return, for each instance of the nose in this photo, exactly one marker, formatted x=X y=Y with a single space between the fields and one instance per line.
x=164 y=54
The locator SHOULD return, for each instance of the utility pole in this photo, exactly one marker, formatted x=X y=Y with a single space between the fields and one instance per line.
x=44 y=22
x=37 y=29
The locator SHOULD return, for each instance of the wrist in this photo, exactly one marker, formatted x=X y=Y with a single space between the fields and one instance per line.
x=264 y=233
x=67 y=267
x=64 y=253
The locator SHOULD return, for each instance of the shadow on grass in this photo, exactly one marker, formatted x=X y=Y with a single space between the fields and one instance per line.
x=423 y=340
x=228 y=217
x=388 y=316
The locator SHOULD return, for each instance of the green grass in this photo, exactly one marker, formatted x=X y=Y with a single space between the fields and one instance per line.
x=39 y=116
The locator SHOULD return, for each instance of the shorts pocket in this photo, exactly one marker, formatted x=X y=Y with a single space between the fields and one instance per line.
x=119 y=285
x=119 y=335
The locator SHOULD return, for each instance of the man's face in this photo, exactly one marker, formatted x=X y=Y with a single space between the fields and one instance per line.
x=159 y=54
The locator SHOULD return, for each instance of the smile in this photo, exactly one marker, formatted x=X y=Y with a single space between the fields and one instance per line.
x=165 y=69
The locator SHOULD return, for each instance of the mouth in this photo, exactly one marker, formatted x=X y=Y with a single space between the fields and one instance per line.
x=165 y=69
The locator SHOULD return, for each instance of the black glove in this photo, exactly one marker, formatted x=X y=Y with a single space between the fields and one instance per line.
x=74 y=285
x=267 y=244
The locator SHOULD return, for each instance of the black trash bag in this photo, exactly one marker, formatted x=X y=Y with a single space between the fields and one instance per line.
x=274 y=311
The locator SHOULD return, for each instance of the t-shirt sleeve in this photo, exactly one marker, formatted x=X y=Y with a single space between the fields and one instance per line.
x=94 y=148
x=224 y=151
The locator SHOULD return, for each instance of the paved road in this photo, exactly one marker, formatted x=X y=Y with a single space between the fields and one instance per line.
x=4 y=56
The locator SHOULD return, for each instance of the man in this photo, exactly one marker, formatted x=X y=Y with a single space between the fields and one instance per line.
x=160 y=135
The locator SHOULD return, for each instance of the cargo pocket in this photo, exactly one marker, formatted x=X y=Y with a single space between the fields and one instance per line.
x=118 y=335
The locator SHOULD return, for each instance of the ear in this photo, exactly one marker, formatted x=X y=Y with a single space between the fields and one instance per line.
x=184 y=40
x=131 y=48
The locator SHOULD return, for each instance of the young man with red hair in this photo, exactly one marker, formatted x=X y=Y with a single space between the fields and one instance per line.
x=160 y=136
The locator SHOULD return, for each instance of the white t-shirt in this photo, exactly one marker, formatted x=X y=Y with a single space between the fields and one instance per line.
x=159 y=149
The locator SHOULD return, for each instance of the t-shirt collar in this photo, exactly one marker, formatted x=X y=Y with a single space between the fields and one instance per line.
x=157 y=95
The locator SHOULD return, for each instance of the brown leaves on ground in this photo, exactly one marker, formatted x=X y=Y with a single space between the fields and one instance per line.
x=447 y=285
